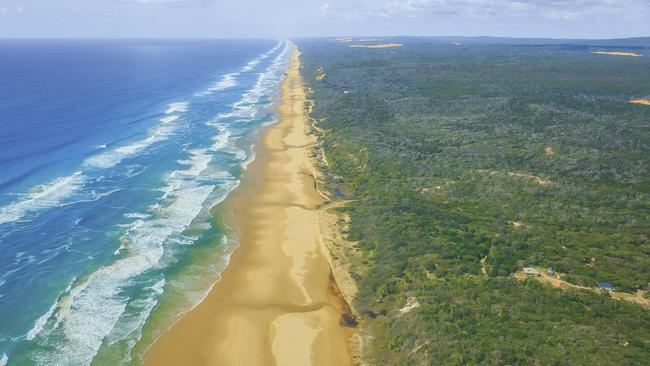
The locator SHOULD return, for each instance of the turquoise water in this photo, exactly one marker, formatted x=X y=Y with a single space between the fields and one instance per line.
x=113 y=153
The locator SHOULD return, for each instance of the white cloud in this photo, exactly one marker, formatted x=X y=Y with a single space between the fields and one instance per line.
x=486 y=9
x=325 y=10
x=12 y=10
x=169 y=2
x=346 y=11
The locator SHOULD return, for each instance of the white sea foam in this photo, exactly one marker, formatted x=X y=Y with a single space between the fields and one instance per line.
x=177 y=107
x=202 y=295
x=135 y=318
x=227 y=82
x=4 y=360
x=137 y=216
x=253 y=63
x=247 y=160
x=42 y=196
x=220 y=141
x=111 y=158
x=269 y=122
x=92 y=197
x=96 y=305
x=40 y=323
x=250 y=105
x=169 y=119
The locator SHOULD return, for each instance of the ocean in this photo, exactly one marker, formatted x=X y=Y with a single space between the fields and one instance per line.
x=112 y=154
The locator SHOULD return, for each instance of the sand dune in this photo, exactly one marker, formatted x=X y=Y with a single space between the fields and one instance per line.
x=640 y=101
x=383 y=45
x=626 y=54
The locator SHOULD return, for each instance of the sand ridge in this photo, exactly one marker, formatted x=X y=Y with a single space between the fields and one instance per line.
x=641 y=101
x=276 y=303
x=376 y=46
x=624 y=54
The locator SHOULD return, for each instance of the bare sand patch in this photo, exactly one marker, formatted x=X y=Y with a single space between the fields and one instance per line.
x=625 y=54
x=411 y=304
x=383 y=45
x=320 y=74
x=536 y=179
x=527 y=176
x=518 y=224
x=556 y=281
x=549 y=151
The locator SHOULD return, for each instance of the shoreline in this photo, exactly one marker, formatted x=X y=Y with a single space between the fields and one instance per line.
x=277 y=301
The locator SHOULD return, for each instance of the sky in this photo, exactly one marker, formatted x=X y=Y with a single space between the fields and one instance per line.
x=312 y=18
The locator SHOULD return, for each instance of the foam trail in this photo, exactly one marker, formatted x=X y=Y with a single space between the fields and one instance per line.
x=136 y=318
x=42 y=196
x=96 y=305
x=51 y=194
x=40 y=323
x=136 y=216
x=111 y=158
x=177 y=107
x=169 y=119
x=247 y=108
x=250 y=105
x=247 y=160
x=252 y=64
x=220 y=140
x=227 y=82
x=4 y=360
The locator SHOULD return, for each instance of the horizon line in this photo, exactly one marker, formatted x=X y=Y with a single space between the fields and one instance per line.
x=313 y=37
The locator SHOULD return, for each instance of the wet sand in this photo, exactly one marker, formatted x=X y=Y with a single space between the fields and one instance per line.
x=277 y=302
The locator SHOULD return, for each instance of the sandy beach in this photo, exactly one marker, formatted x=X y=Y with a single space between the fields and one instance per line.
x=277 y=302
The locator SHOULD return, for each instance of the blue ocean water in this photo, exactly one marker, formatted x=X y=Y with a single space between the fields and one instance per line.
x=111 y=155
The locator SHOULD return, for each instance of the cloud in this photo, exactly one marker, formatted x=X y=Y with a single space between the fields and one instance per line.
x=348 y=11
x=178 y=3
x=325 y=10
x=12 y=10
x=513 y=9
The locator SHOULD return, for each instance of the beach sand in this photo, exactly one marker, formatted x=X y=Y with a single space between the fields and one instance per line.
x=383 y=45
x=277 y=302
x=625 y=54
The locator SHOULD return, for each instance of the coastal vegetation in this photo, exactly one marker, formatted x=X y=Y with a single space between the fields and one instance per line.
x=465 y=163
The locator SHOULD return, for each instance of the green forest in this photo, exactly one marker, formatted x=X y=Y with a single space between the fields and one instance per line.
x=466 y=161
